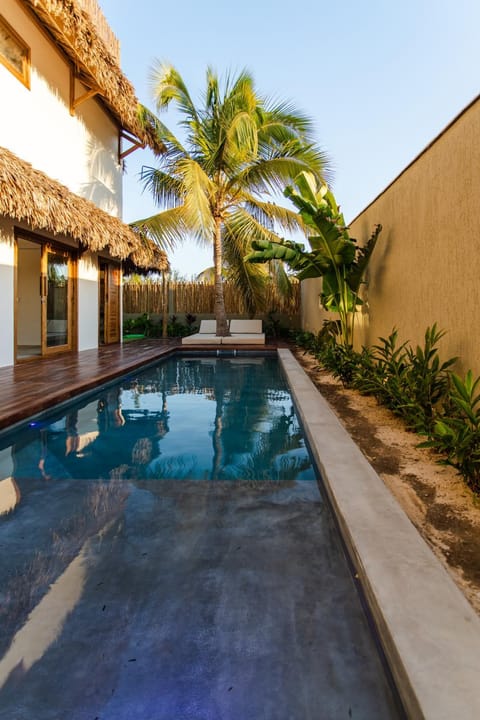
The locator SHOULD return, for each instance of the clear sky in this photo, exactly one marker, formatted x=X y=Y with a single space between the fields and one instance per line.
x=380 y=78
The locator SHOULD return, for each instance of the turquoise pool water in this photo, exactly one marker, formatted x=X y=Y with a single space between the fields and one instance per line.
x=216 y=419
x=166 y=554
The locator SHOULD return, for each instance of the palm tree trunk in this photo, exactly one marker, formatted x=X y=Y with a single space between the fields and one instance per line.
x=219 y=307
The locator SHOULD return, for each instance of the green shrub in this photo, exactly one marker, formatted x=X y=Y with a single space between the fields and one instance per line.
x=306 y=340
x=175 y=328
x=412 y=383
x=417 y=386
x=274 y=327
x=426 y=382
x=141 y=324
x=456 y=433
x=381 y=370
x=341 y=360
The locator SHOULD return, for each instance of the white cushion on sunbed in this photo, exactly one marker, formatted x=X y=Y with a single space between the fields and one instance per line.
x=208 y=326
x=205 y=336
x=245 y=326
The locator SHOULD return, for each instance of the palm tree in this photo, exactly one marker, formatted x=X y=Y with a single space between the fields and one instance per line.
x=239 y=150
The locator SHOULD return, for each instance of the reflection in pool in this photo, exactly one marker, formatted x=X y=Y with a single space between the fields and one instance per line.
x=196 y=419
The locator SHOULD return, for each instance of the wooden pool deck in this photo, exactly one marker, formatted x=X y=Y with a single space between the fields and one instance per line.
x=30 y=387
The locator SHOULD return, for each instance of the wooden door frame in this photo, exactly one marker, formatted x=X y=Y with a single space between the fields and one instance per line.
x=69 y=345
x=47 y=244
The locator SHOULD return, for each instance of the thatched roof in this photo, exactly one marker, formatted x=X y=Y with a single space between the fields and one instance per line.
x=30 y=196
x=75 y=32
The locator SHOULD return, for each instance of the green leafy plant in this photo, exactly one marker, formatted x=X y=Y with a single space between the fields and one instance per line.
x=457 y=433
x=141 y=325
x=411 y=382
x=274 y=326
x=381 y=371
x=176 y=328
x=341 y=360
x=425 y=381
x=334 y=255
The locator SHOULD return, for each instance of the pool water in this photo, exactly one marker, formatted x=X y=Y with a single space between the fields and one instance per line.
x=166 y=553
x=204 y=419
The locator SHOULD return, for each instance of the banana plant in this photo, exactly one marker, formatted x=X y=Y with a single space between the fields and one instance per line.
x=334 y=255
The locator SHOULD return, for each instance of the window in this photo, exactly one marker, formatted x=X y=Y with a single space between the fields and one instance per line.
x=14 y=53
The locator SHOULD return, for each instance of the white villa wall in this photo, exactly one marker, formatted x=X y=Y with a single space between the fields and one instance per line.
x=80 y=151
x=87 y=302
x=7 y=263
x=28 y=303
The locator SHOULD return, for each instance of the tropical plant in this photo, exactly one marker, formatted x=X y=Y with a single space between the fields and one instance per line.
x=411 y=382
x=457 y=432
x=240 y=148
x=334 y=255
x=176 y=328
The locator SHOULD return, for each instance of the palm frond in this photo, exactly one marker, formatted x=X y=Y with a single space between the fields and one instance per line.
x=168 y=85
x=285 y=113
x=272 y=215
x=167 y=191
x=282 y=280
x=239 y=92
x=199 y=191
x=247 y=228
x=150 y=122
x=241 y=140
x=248 y=278
x=212 y=95
x=167 y=228
x=273 y=174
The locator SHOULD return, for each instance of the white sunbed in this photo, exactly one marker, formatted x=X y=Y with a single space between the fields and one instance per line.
x=245 y=332
x=205 y=336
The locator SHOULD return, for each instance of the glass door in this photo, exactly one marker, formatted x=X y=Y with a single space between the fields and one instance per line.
x=56 y=300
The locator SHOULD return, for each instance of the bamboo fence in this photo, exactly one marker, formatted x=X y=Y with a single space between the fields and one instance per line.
x=199 y=298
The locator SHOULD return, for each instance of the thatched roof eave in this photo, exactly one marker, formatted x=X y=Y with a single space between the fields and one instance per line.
x=30 y=196
x=75 y=33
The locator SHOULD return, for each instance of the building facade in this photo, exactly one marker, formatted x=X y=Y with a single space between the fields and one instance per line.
x=69 y=117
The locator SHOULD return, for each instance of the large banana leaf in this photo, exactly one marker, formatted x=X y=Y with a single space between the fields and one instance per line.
x=334 y=255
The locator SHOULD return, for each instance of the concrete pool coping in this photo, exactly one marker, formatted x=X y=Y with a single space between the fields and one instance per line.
x=429 y=632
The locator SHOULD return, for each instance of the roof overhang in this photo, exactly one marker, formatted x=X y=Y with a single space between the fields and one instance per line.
x=30 y=196
x=75 y=33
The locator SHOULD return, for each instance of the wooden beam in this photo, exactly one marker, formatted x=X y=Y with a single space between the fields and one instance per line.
x=136 y=144
x=90 y=92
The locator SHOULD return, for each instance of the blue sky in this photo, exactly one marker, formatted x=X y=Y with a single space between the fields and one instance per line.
x=380 y=78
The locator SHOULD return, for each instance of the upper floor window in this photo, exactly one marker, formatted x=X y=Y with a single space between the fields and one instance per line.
x=14 y=52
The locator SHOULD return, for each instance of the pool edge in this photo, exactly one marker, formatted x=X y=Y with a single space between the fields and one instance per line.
x=429 y=632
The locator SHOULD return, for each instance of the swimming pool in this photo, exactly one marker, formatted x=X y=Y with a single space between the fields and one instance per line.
x=167 y=554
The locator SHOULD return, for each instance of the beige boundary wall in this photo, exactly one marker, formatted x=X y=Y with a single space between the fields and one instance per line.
x=426 y=266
